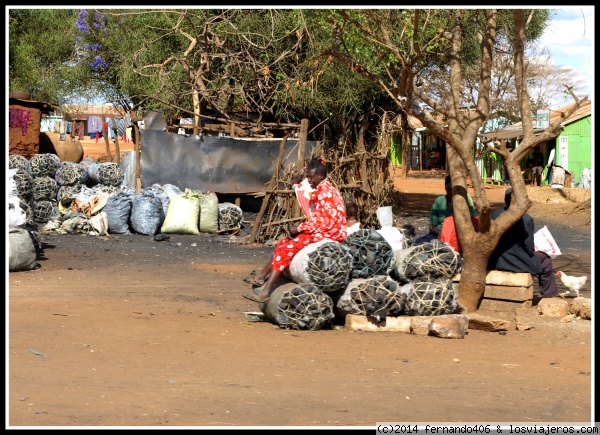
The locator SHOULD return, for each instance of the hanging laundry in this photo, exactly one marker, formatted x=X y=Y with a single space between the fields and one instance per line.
x=78 y=129
x=19 y=118
x=94 y=124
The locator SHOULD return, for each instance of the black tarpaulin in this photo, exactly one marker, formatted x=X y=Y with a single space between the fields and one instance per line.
x=216 y=164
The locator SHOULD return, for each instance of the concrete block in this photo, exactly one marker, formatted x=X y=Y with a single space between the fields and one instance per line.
x=357 y=322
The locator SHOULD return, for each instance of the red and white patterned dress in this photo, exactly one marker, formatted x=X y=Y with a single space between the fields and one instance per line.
x=327 y=220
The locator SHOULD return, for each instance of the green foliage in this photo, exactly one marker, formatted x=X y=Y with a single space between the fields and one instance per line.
x=41 y=54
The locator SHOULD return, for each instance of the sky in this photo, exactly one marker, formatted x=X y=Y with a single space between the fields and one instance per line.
x=569 y=38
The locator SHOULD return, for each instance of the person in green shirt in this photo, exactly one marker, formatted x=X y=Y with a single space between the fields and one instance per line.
x=440 y=211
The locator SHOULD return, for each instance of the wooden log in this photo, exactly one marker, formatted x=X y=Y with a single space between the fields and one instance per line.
x=105 y=135
x=302 y=138
x=267 y=197
x=115 y=133
x=137 y=149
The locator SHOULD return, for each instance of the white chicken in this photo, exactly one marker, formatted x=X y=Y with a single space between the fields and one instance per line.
x=572 y=283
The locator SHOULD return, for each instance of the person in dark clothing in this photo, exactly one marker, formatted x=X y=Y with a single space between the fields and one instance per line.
x=538 y=166
x=516 y=252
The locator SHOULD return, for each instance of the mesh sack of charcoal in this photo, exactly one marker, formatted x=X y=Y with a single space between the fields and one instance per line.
x=326 y=264
x=299 y=306
x=372 y=254
x=434 y=258
x=44 y=165
x=23 y=183
x=17 y=161
x=66 y=194
x=110 y=174
x=106 y=190
x=43 y=211
x=70 y=174
x=378 y=297
x=230 y=217
x=44 y=189
x=431 y=296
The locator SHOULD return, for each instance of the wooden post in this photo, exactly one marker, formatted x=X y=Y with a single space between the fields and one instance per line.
x=105 y=135
x=232 y=129
x=270 y=188
x=115 y=133
x=302 y=138
x=137 y=149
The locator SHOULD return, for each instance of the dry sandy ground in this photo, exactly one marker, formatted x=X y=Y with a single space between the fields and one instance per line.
x=125 y=331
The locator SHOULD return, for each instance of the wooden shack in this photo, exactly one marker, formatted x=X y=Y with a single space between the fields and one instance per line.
x=25 y=117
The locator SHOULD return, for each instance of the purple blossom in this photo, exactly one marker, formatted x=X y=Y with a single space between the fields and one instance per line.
x=80 y=23
x=86 y=46
x=99 y=63
x=96 y=47
x=82 y=26
x=77 y=38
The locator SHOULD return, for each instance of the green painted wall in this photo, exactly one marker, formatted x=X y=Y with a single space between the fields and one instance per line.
x=579 y=136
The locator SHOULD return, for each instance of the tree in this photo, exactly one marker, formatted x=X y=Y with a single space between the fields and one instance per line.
x=42 y=56
x=437 y=39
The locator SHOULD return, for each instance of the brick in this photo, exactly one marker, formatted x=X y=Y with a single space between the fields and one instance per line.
x=509 y=293
x=498 y=277
x=502 y=305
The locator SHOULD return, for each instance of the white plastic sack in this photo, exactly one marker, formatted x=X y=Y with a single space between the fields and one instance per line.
x=585 y=181
x=21 y=250
x=16 y=215
x=385 y=216
x=544 y=242
x=393 y=236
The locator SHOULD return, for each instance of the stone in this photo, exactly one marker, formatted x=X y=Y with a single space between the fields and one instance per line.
x=484 y=323
x=449 y=326
x=553 y=307
x=581 y=307
x=420 y=325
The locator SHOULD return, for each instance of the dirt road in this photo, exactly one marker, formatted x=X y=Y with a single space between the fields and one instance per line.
x=125 y=331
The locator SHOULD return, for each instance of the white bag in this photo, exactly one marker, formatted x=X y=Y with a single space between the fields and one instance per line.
x=544 y=242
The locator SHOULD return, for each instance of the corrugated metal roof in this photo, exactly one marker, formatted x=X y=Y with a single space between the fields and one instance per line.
x=82 y=111
x=44 y=107
x=516 y=130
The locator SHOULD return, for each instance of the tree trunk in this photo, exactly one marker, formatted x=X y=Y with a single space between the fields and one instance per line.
x=360 y=148
x=406 y=144
x=472 y=280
